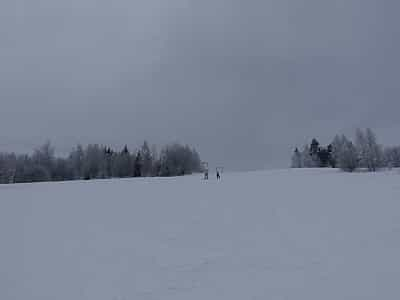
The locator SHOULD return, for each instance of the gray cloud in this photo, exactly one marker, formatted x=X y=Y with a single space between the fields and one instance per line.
x=243 y=81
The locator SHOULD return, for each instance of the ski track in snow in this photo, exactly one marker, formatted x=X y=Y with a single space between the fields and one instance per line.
x=285 y=234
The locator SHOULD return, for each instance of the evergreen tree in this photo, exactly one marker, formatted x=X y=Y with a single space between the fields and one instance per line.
x=324 y=157
x=108 y=163
x=138 y=165
x=314 y=149
x=122 y=164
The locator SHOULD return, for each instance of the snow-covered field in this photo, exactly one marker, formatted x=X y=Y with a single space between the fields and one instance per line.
x=289 y=234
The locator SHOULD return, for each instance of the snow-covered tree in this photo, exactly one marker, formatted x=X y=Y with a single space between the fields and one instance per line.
x=147 y=160
x=156 y=166
x=93 y=162
x=337 y=148
x=122 y=164
x=8 y=167
x=296 y=159
x=369 y=151
x=43 y=158
x=76 y=159
x=374 y=156
x=137 y=172
x=348 y=158
x=314 y=148
x=177 y=160
x=306 y=158
x=62 y=170
x=97 y=161
x=362 y=148
x=392 y=157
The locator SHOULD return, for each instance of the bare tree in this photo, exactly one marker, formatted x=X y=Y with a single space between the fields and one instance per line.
x=147 y=160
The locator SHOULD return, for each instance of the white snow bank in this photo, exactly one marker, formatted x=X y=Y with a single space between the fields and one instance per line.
x=289 y=234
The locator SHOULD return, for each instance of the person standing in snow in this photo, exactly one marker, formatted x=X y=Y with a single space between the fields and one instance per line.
x=218 y=175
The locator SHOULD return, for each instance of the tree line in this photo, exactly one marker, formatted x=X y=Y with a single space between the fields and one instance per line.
x=98 y=162
x=363 y=153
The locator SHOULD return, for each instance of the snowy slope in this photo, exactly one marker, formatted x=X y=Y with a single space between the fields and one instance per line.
x=289 y=234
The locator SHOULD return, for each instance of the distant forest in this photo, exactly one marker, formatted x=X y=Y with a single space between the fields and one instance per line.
x=97 y=162
x=364 y=153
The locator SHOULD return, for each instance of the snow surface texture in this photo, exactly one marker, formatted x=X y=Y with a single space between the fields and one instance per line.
x=290 y=234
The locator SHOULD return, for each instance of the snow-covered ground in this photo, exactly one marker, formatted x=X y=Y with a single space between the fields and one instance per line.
x=289 y=234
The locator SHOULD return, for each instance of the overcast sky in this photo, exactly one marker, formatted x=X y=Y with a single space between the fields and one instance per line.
x=242 y=81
